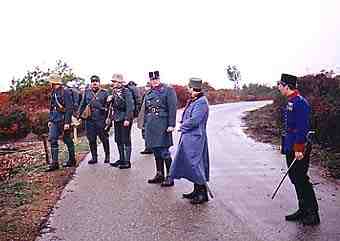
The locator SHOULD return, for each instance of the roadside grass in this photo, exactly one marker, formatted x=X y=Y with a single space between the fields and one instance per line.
x=27 y=197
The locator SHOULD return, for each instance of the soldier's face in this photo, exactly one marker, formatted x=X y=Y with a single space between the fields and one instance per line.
x=55 y=86
x=116 y=84
x=95 y=84
x=155 y=82
x=282 y=88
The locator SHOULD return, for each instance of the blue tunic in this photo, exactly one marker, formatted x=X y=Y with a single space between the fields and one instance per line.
x=296 y=123
x=61 y=106
x=192 y=156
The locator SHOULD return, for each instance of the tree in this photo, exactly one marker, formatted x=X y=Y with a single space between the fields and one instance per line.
x=39 y=77
x=234 y=75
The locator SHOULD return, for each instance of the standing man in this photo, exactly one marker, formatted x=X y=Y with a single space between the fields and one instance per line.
x=95 y=101
x=192 y=157
x=59 y=122
x=160 y=121
x=140 y=121
x=122 y=104
x=296 y=125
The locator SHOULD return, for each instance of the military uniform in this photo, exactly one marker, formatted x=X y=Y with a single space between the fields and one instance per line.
x=296 y=125
x=160 y=113
x=60 y=114
x=122 y=105
x=95 y=124
x=192 y=157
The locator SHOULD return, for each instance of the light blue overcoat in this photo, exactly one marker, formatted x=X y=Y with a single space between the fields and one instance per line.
x=192 y=157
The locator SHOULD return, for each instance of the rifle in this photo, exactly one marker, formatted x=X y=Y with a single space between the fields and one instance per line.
x=109 y=119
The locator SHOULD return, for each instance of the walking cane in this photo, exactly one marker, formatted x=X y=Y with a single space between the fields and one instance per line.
x=278 y=187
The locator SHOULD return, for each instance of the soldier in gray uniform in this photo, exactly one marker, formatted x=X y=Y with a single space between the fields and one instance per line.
x=96 y=98
x=122 y=109
x=160 y=121
x=59 y=122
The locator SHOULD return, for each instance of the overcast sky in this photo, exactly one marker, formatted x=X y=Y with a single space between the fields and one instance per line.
x=181 y=38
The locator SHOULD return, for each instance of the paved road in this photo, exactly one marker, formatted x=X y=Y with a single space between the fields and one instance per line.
x=105 y=203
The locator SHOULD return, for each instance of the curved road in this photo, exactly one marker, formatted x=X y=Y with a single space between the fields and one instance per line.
x=105 y=203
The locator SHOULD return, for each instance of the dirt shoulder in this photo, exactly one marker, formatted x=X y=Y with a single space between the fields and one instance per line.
x=261 y=125
x=28 y=194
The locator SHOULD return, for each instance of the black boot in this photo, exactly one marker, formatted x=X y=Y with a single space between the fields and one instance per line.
x=71 y=152
x=159 y=177
x=192 y=194
x=168 y=182
x=106 y=146
x=201 y=196
x=121 y=156
x=146 y=151
x=311 y=218
x=93 y=149
x=297 y=216
x=127 y=154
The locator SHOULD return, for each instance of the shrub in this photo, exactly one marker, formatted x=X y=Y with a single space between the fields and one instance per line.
x=14 y=124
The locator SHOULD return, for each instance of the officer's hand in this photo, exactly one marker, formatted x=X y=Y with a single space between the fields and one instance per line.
x=126 y=123
x=109 y=98
x=299 y=155
x=49 y=124
x=170 y=129
x=66 y=127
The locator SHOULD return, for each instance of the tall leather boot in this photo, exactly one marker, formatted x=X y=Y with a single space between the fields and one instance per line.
x=106 y=146
x=121 y=156
x=127 y=153
x=192 y=194
x=168 y=182
x=159 y=177
x=93 y=149
x=54 y=165
x=201 y=196
x=71 y=153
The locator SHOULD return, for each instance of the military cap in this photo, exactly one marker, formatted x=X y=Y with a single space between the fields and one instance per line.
x=55 y=79
x=95 y=78
x=151 y=75
x=287 y=79
x=117 y=77
x=195 y=83
x=156 y=74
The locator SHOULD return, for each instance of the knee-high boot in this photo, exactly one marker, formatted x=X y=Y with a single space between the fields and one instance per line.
x=168 y=182
x=159 y=177
x=93 y=149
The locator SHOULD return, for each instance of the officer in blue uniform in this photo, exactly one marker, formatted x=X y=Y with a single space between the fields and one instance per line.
x=96 y=98
x=59 y=124
x=122 y=104
x=296 y=124
x=160 y=121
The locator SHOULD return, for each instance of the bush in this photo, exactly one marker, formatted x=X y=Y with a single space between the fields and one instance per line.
x=14 y=124
x=323 y=93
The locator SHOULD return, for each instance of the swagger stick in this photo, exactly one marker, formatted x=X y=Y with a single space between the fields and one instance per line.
x=278 y=187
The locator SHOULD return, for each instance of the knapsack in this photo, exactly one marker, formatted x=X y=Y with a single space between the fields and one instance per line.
x=76 y=98
x=136 y=99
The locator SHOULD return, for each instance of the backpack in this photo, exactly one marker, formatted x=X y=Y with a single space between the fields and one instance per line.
x=136 y=99
x=76 y=97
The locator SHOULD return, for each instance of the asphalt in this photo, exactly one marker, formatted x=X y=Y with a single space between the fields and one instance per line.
x=105 y=203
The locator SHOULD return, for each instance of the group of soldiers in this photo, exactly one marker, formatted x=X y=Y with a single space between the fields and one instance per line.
x=157 y=119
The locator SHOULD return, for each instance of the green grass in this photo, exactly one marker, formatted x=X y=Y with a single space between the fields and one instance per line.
x=16 y=193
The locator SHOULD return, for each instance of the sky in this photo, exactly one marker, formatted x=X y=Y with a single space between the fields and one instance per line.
x=180 y=38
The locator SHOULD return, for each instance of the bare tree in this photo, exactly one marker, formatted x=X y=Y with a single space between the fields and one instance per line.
x=233 y=74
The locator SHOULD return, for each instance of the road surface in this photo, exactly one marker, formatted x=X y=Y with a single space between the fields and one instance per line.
x=104 y=203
